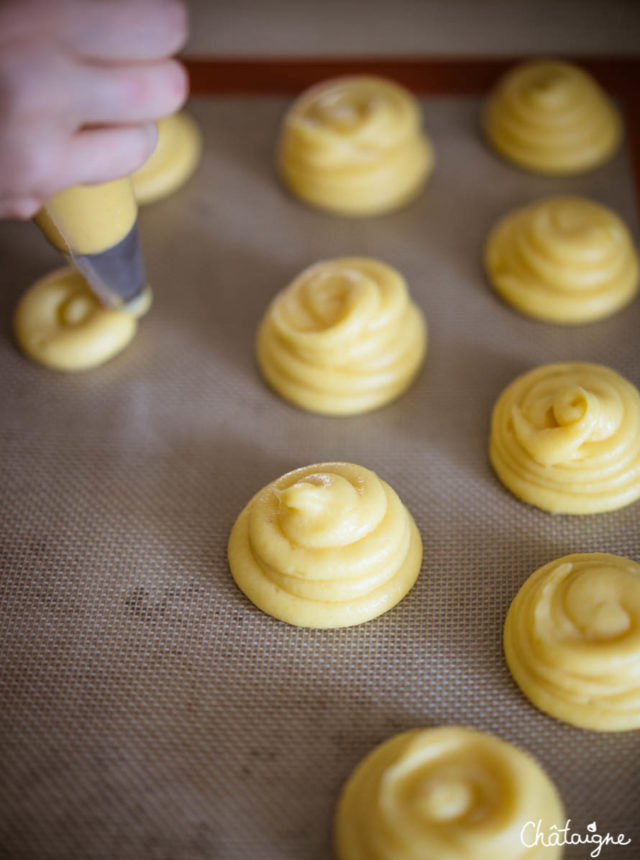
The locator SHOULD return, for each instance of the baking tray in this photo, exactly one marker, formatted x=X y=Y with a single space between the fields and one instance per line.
x=148 y=709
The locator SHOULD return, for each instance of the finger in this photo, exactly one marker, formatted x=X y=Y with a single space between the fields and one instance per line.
x=100 y=155
x=125 y=30
x=22 y=208
x=130 y=94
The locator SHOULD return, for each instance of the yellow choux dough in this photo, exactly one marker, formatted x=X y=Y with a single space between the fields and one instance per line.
x=566 y=438
x=446 y=794
x=329 y=545
x=564 y=260
x=552 y=117
x=343 y=338
x=354 y=146
x=89 y=219
x=572 y=641
x=172 y=162
x=61 y=324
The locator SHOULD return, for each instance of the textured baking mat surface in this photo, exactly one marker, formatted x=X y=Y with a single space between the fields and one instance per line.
x=148 y=710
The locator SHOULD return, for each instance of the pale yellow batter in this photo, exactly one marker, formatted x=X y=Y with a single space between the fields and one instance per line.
x=343 y=338
x=564 y=260
x=89 y=219
x=355 y=146
x=173 y=161
x=566 y=438
x=572 y=641
x=329 y=545
x=446 y=794
x=61 y=324
x=552 y=117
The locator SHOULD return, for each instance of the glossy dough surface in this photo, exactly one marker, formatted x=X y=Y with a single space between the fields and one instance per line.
x=563 y=259
x=175 y=158
x=552 y=117
x=343 y=338
x=566 y=438
x=446 y=794
x=572 y=641
x=355 y=146
x=328 y=545
x=61 y=324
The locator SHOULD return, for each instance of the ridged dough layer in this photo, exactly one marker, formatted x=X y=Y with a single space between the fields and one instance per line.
x=343 y=338
x=564 y=260
x=173 y=161
x=328 y=545
x=355 y=146
x=572 y=641
x=552 y=117
x=446 y=794
x=61 y=324
x=566 y=438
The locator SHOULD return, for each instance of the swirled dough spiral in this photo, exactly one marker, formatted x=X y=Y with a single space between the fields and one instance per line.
x=552 y=117
x=61 y=324
x=564 y=260
x=329 y=545
x=172 y=162
x=566 y=438
x=343 y=338
x=354 y=146
x=572 y=641
x=446 y=794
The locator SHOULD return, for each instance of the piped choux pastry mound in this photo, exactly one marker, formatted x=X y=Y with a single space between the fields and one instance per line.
x=566 y=438
x=572 y=641
x=446 y=794
x=355 y=146
x=329 y=545
x=564 y=260
x=344 y=337
x=552 y=117
x=173 y=161
x=61 y=324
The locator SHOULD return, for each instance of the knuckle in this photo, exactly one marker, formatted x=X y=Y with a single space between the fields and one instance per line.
x=31 y=81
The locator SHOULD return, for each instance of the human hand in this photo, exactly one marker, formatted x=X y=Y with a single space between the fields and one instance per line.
x=81 y=84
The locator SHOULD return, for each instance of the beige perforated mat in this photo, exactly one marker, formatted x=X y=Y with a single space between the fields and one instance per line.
x=147 y=709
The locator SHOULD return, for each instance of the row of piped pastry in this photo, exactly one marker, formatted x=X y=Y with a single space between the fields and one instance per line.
x=565 y=260
x=355 y=145
x=332 y=545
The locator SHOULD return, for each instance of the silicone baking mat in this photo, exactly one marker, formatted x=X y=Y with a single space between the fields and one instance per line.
x=147 y=709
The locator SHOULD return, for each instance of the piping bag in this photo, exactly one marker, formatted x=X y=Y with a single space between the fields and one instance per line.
x=96 y=227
